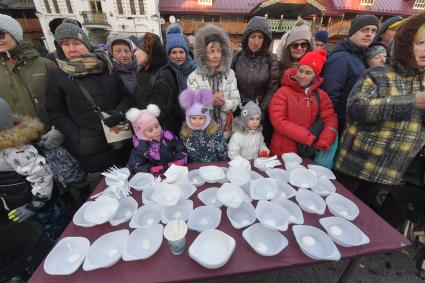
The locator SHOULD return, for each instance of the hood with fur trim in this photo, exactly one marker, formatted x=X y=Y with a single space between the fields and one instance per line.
x=25 y=130
x=200 y=51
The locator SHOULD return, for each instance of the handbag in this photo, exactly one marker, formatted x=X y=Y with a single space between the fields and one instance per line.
x=308 y=151
x=326 y=158
x=114 y=135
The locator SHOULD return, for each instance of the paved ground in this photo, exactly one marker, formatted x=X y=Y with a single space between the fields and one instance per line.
x=394 y=267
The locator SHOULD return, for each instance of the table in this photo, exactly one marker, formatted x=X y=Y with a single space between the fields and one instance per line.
x=165 y=267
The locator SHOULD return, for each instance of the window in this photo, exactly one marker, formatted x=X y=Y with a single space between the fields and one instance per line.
x=46 y=3
x=132 y=7
x=419 y=4
x=366 y=2
x=96 y=6
x=141 y=7
x=56 y=6
x=69 y=6
x=205 y=2
x=119 y=6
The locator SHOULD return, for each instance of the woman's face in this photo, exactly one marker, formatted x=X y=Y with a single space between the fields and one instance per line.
x=255 y=41
x=304 y=76
x=378 y=60
x=178 y=56
x=141 y=57
x=419 y=47
x=73 y=48
x=214 y=54
x=298 y=49
x=121 y=53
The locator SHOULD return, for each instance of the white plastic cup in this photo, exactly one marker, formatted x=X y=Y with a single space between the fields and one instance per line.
x=175 y=233
x=291 y=165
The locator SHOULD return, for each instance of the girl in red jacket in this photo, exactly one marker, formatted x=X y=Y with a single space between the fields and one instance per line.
x=294 y=108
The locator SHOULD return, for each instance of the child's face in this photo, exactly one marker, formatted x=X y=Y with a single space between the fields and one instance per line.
x=254 y=121
x=214 y=54
x=197 y=122
x=153 y=132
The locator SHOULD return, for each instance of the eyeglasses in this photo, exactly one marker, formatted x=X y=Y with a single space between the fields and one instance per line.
x=303 y=45
x=2 y=34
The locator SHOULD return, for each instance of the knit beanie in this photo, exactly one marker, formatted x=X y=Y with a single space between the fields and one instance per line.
x=112 y=38
x=71 y=31
x=6 y=117
x=362 y=21
x=197 y=104
x=175 y=39
x=315 y=60
x=247 y=111
x=374 y=50
x=300 y=31
x=142 y=119
x=11 y=26
x=322 y=36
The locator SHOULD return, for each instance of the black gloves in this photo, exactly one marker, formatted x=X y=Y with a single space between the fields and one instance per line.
x=115 y=118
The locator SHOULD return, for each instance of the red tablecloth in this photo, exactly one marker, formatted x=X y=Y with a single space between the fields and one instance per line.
x=165 y=267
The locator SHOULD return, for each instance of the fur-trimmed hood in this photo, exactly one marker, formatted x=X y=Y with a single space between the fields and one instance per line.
x=186 y=132
x=200 y=51
x=25 y=130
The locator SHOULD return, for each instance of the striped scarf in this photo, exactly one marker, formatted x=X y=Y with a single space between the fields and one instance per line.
x=85 y=65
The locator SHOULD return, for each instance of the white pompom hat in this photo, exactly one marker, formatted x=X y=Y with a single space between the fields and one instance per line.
x=142 y=119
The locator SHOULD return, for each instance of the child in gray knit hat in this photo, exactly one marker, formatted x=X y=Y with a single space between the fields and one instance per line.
x=248 y=141
x=376 y=55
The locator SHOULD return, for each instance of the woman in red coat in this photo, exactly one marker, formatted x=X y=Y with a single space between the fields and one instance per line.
x=294 y=108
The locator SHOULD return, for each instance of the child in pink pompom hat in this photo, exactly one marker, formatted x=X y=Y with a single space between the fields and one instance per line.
x=201 y=136
x=154 y=149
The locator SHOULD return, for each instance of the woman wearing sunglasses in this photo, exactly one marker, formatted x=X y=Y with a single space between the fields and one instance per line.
x=22 y=71
x=294 y=45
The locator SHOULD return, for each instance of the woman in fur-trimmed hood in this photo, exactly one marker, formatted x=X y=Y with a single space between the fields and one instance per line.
x=26 y=181
x=384 y=130
x=213 y=56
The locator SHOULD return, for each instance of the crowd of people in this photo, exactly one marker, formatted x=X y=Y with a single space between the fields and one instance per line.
x=66 y=118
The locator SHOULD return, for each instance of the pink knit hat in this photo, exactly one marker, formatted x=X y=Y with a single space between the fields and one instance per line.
x=197 y=104
x=142 y=119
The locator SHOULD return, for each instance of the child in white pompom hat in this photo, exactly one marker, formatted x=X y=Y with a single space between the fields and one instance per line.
x=154 y=149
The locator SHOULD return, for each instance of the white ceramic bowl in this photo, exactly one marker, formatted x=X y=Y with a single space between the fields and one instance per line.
x=264 y=188
x=310 y=201
x=238 y=176
x=343 y=232
x=292 y=157
x=146 y=215
x=181 y=210
x=341 y=206
x=101 y=210
x=209 y=197
x=295 y=215
x=78 y=217
x=204 y=218
x=324 y=187
x=264 y=241
x=230 y=195
x=322 y=171
x=141 y=180
x=166 y=194
x=285 y=190
x=278 y=174
x=242 y=216
x=127 y=206
x=272 y=215
x=315 y=243
x=143 y=242
x=212 y=248
x=303 y=178
x=187 y=190
x=67 y=256
x=195 y=178
x=212 y=173
x=106 y=250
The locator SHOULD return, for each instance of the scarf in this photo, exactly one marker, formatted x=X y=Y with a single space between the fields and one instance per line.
x=182 y=72
x=125 y=68
x=86 y=64
x=215 y=82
